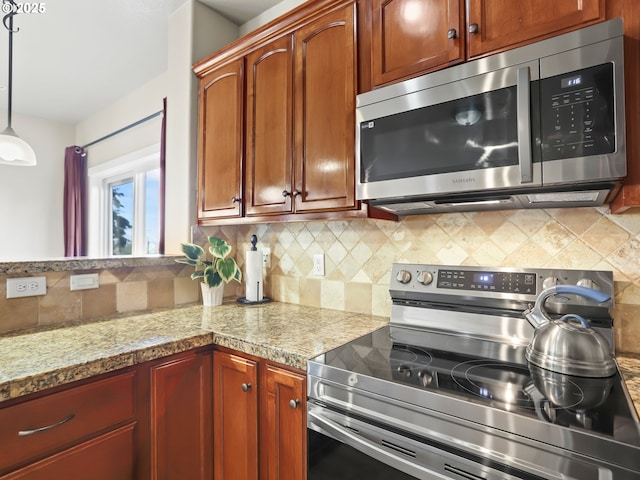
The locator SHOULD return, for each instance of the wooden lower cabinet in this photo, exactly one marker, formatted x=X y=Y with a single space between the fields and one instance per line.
x=106 y=457
x=180 y=433
x=149 y=422
x=259 y=419
x=235 y=417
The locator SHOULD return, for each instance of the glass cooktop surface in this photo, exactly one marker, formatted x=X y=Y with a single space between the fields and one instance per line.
x=491 y=374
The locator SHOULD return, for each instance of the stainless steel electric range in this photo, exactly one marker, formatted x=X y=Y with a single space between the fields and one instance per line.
x=445 y=392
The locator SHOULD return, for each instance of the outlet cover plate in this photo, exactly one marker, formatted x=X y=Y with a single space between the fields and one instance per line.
x=318 y=264
x=26 y=287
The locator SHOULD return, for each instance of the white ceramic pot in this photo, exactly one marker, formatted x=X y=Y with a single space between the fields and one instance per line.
x=212 y=296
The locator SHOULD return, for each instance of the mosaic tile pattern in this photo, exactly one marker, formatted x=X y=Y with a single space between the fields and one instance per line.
x=359 y=254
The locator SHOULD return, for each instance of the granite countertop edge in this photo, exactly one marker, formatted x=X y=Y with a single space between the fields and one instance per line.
x=288 y=334
x=28 y=364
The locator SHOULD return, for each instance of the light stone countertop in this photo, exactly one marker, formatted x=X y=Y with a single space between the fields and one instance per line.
x=285 y=333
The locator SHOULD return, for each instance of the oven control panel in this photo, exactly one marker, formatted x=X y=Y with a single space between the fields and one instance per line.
x=488 y=281
x=497 y=286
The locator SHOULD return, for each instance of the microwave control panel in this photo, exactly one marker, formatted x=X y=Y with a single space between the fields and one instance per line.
x=578 y=113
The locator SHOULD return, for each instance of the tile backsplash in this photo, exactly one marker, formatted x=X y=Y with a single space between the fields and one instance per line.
x=359 y=254
x=358 y=257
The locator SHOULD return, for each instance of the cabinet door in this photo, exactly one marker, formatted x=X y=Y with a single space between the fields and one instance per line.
x=269 y=147
x=410 y=37
x=283 y=425
x=107 y=457
x=220 y=142
x=181 y=418
x=499 y=24
x=324 y=89
x=235 y=417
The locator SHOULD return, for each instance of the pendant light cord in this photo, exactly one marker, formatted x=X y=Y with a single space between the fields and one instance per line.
x=7 y=20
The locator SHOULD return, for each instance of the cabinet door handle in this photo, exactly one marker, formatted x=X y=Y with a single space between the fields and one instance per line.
x=285 y=193
x=235 y=200
x=246 y=387
x=24 y=433
x=473 y=28
x=294 y=403
x=296 y=193
x=451 y=34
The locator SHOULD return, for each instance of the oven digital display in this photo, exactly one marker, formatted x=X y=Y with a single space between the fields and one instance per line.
x=503 y=282
x=571 y=81
x=483 y=278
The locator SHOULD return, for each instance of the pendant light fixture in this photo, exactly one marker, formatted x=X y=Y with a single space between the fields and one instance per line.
x=13 y=150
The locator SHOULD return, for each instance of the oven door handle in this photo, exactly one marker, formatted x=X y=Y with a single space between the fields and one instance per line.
x=369 y=448
x=524 y=124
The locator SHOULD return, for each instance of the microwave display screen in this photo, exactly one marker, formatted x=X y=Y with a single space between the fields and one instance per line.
x=571 y=81
x=578 y=114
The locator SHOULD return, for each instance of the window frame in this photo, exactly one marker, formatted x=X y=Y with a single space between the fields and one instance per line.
x=132 y=165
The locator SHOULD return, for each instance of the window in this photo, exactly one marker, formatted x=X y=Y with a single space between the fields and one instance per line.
x=124 y=201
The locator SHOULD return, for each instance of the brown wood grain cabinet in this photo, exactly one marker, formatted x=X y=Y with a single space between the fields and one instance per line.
x=152 y=421
x=283 y=426
x=288 y=90
x=220 y=142
x=259 y=419
x=181 y=411
x=235 y=417
x=84 y=432
x=408 y=38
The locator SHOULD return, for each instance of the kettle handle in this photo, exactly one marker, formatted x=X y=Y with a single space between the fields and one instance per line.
x=537 y=316
x=588 y=293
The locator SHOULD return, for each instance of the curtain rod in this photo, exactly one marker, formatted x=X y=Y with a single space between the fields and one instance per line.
x=123 y=129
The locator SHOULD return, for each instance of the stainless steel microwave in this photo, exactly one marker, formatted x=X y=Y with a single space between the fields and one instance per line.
x=538 y=126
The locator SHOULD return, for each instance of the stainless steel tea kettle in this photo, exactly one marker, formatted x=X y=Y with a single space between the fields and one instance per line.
x=568 y=345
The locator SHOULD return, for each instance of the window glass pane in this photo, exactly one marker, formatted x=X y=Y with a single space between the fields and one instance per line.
x=122 y=217
x=152 y=211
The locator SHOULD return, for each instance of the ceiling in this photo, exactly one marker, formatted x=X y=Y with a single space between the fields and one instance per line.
x=79 y=56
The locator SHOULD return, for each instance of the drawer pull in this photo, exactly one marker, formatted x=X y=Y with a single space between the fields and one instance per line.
x=24 y=433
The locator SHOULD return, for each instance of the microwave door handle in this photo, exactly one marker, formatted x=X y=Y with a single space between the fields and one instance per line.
x=524 y=125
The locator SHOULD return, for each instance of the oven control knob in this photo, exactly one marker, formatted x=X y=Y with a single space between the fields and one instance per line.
x=425 y=278
x=403 y=276
x=587 y=282
x=549 y=282
x=425 y=377
x=404 y=371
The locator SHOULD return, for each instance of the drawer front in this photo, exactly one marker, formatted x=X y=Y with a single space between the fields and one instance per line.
x=107 y=457
x=47 y=424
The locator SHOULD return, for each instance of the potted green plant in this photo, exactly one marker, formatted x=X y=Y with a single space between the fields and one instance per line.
x=214 y=272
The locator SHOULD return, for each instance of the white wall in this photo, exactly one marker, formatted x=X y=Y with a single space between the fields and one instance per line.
x=274 y=12
x=193 y=29
x=31 y=203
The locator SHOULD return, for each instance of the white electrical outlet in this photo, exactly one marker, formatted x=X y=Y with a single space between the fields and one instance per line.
x=26 y=286
x=266 y=257
x=318 y=264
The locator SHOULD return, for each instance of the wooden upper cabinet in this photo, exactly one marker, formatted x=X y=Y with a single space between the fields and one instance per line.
x=324 y=120
x=499 y=24
x=414 y=36
x=283 y=425
x=235 y=417
x=269 y=153
x=221 y=142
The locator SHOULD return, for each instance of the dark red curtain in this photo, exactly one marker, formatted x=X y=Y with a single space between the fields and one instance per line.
x=75 y=202
x=163 y=151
